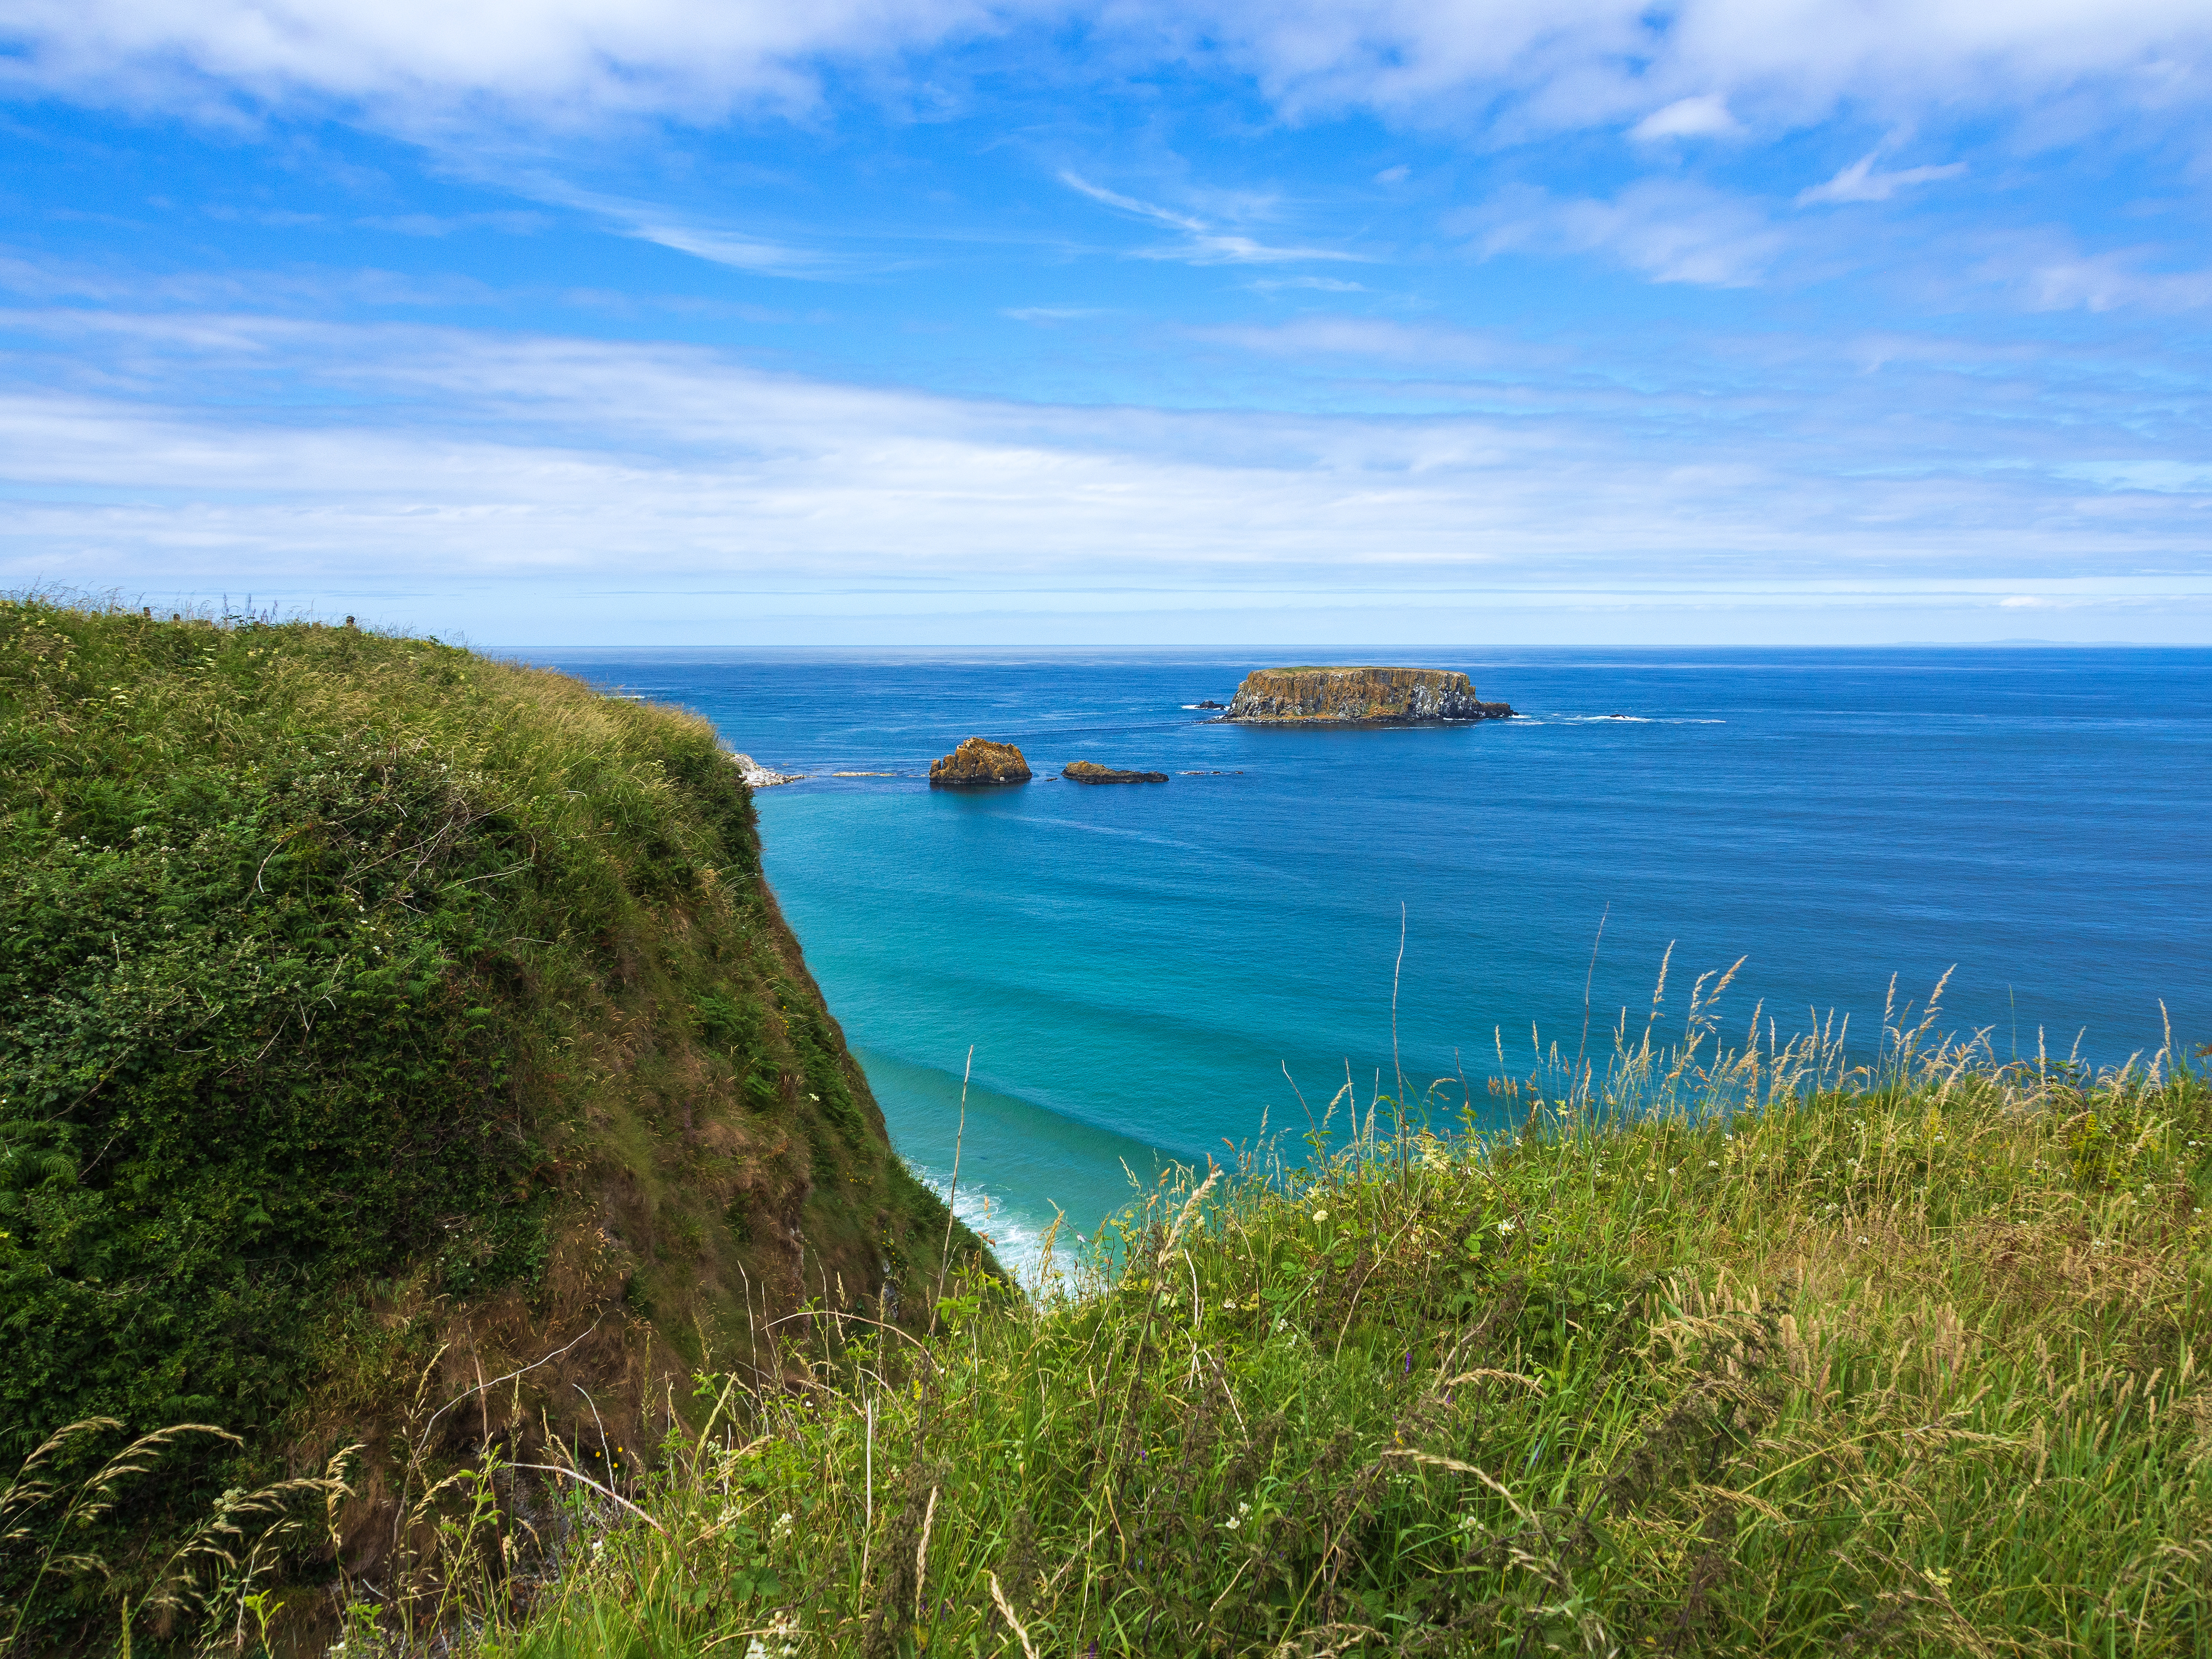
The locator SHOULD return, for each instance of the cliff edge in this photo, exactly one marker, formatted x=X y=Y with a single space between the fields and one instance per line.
x=376 y=1020
x=1358 y=695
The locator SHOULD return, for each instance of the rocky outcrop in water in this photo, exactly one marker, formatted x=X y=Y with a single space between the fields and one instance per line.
x=980 y=761
x=1359 y=696
x=757 y=776
x=1091 y=772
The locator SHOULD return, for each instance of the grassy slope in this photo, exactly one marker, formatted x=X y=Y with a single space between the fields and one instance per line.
x=1906 y=1363
x=367 y=1007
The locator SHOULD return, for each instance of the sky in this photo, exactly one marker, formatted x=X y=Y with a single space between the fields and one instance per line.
x=949 y=323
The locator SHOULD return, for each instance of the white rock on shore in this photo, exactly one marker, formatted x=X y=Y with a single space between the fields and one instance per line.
x=757 y=776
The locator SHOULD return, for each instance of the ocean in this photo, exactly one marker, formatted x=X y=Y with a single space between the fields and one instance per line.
x=1154 y=972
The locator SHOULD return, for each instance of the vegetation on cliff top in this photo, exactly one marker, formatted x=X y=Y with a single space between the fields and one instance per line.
x=1745 y=1353
x=366 y=1006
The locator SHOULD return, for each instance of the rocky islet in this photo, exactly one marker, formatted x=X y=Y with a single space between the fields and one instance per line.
x=1358 y=696
x=1091 y=772
x=979 y=762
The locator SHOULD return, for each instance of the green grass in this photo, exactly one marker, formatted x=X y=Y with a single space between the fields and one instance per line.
x=372 y=1012
x=1788 y=1359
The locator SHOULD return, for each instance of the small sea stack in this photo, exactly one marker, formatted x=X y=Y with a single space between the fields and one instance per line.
x=979 y=762
x=1353 y=695
x=1091 y=772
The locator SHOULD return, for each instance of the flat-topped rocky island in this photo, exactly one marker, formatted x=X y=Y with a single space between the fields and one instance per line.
x=1354 y=696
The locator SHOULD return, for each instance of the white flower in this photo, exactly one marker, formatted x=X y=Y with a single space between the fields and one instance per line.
x=1710 y=1164
x=782 y=1524
x=1862 y=1238
x=1231 y=1524
x=1504 y=1226
x=1321 y=1215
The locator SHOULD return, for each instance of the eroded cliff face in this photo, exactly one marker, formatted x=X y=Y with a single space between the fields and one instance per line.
x=1276 y=695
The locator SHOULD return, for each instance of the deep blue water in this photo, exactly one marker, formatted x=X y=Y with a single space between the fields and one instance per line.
x=1138 y=967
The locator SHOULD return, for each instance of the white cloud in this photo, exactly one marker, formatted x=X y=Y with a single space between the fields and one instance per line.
x=434 y=457
x=1859 y=182
x=646 y=222
x=2108 y=281
x=1568 y=62
x=1358 y=336
x=1201 y=243
x=1553 y=62
x=1667 y=230
x=450 y=224
x=1705 y=116
x=558 y=60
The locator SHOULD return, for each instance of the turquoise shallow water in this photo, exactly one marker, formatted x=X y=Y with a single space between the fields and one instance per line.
x=1138 y=968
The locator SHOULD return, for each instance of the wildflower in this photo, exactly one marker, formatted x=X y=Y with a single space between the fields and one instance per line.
x=1321 y=1215
x=1862 y=1238
x=1504 y=1226
x=782 y=1524
x=1711 y=1163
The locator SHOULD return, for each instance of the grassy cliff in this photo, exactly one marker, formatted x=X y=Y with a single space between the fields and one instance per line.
x=1755 y=1353
x=375 y=1019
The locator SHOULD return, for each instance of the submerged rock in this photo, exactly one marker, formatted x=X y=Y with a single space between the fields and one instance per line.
x=1358 y=695
x=980 y=761
x=1091 y=772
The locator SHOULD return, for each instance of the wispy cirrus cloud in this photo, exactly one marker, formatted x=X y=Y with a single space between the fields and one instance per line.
x=1200 y=242
x=1315 y=284
x=436 y=455
x=516 y=223
x=2109 y=281
x=1669 y=230
x=1861 y=182
x=646 y=222
x=1361 y=337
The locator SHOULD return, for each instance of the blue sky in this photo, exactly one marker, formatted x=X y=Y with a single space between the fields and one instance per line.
x=928 y=322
